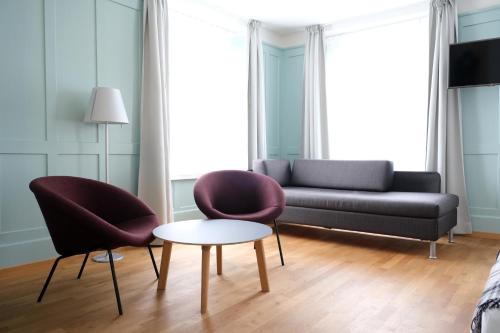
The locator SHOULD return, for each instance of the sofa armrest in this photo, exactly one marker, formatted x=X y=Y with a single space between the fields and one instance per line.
x=279 y=170
x=411 y=181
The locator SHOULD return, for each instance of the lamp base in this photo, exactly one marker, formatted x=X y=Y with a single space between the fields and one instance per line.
x=103 y=257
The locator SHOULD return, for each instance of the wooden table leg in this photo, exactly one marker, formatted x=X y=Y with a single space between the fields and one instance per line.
x=219 y=259
x=261 y=262
x=205 y=269
x=165 y=261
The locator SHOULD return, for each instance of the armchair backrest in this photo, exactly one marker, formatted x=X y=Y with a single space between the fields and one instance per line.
x=237 y=192
x=80 y=213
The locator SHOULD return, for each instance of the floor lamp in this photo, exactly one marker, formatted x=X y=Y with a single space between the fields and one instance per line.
x=106 y=107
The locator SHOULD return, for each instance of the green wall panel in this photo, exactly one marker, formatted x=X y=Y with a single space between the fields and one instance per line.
x=184 y=205
x=18 y=208
x=123 y=171
x=22 y=77
x=80 y=165
x=272 y=63
x=479 y=25
x=284 y=97
x=480 y=117
x=481 y=130
x=75 y=69
x=292 y=99
x=119 y=35
x=482 y=180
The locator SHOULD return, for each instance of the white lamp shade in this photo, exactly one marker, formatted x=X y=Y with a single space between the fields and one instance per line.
x=106 y=106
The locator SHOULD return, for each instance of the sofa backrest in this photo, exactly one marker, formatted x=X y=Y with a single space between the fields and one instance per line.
x=279 y=170
x=416 y=181
x=348 y=175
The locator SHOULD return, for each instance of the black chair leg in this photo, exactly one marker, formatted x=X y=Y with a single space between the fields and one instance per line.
x=83 y=265
x=54 y=265
x=115 y=283
x=154 y=262
x=279 y=243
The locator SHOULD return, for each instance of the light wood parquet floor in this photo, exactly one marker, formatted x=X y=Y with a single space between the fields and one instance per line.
x=333 y=281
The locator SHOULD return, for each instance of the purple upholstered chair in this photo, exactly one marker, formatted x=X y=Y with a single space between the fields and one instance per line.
x=240 y=195
x=85 y=215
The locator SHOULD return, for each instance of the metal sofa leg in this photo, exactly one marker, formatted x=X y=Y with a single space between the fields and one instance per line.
x=54 y=265
x=154 y=262
x=432 y=250
x=450 y=236
x=279 y=243
x=115 y=283
x=83 y=265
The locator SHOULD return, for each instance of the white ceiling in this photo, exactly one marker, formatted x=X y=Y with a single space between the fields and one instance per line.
x=290 y=15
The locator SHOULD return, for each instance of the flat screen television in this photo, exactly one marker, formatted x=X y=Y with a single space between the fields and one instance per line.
x=475 y=63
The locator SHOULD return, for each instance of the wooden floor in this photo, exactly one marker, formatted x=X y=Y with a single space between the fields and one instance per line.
x=333 y=282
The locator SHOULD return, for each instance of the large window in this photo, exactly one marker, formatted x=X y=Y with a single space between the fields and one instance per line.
x=377 y=92
x=208 y=101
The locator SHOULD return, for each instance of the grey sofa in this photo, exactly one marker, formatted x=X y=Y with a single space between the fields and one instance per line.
x=366 y=196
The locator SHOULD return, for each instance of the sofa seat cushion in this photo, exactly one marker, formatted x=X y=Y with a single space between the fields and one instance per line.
x=410 y=204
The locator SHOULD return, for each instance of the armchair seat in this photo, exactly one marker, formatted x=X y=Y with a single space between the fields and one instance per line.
x=266 y=214
x=137 y=231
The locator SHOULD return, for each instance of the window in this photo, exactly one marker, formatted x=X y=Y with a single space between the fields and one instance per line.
x=208 y=97
x=377 y=93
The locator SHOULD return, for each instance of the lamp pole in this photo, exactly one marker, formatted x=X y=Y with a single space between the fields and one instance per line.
x=103 y=257
x=106 y=152
x=106 y=107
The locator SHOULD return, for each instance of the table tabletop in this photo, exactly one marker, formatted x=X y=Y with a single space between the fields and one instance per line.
x=212 y=232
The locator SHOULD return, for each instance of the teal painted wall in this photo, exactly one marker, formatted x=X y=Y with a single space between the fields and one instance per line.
x=184 y=206
x=481 y=130
x=53 y=53
x=284 y=96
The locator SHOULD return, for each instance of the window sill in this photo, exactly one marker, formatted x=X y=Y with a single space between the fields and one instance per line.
x=184 y=177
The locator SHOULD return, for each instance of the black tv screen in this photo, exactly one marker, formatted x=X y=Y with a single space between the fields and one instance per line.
x=475 y=63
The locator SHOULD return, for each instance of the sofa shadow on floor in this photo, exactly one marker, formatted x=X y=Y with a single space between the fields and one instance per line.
x=367 y=241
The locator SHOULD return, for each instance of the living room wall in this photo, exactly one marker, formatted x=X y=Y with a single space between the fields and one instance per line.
x=53 y=53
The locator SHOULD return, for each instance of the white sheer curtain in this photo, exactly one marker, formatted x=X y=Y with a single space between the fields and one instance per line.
x=315 y=124
x=154 y=176
x=257 y=147
x=444 y=124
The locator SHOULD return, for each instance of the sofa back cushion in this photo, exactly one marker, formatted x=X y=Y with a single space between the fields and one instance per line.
x=347 y=175
x=279 y=170
x=416 y=181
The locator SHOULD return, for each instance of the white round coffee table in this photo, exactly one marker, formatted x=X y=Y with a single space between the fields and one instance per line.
x=208 y=233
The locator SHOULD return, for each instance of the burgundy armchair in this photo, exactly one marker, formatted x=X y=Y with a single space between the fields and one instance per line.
x=84 y=215
x=240 y=195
